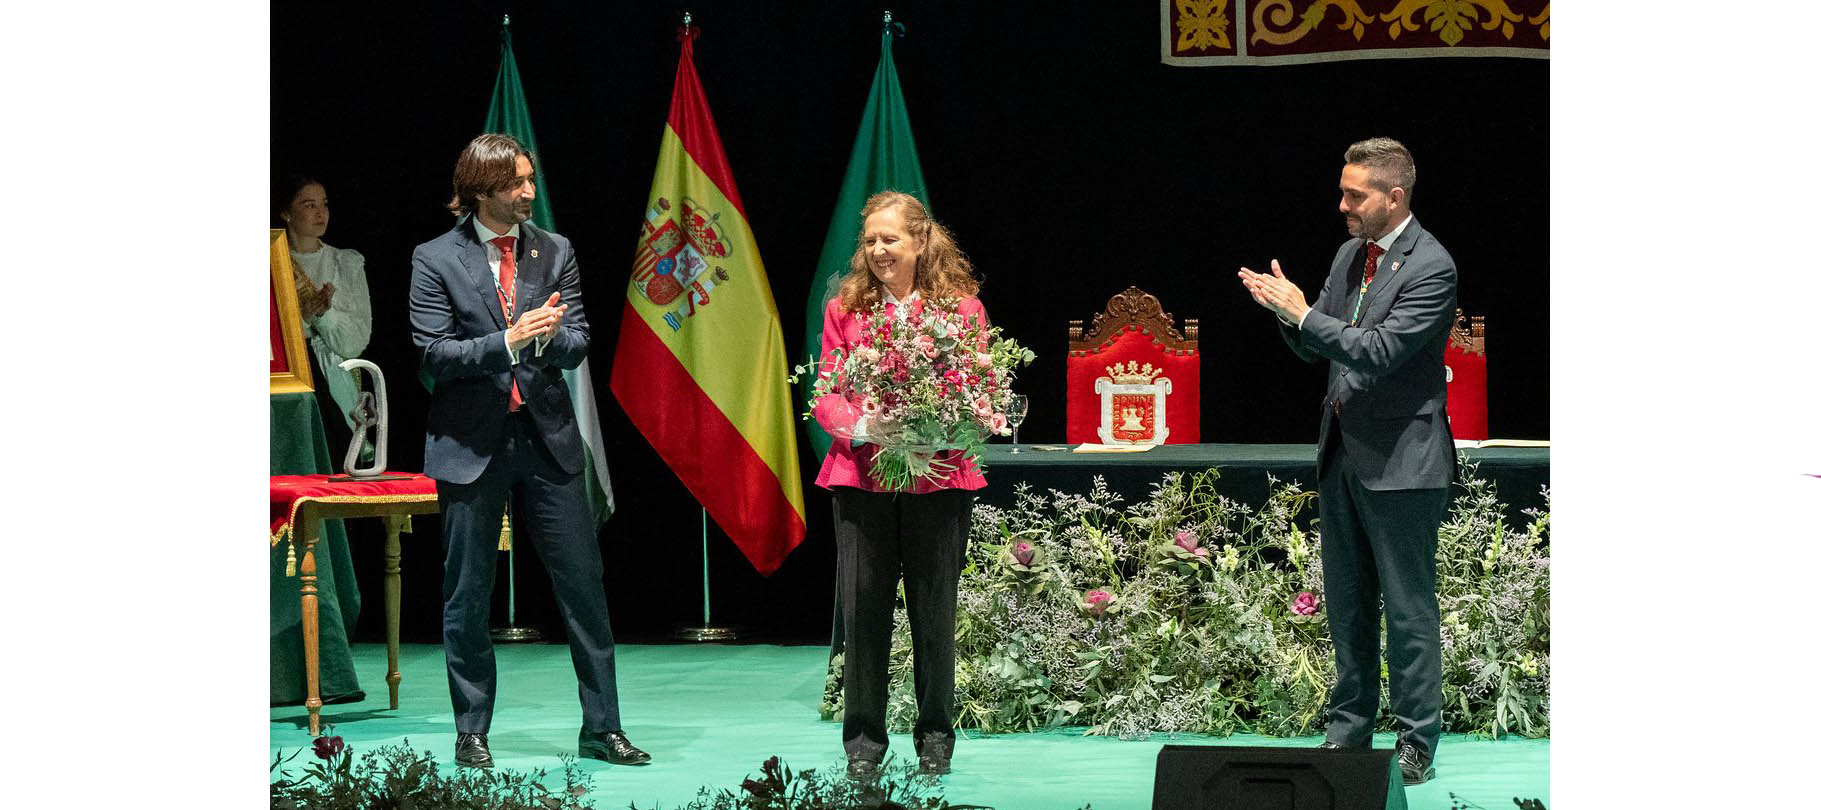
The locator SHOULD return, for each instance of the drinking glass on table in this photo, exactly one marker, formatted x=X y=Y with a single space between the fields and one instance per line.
x=1014 y=413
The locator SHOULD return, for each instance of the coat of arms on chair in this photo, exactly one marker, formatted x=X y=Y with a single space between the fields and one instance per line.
x=1132 y=377
x=1464 y=368
x=1133 y=404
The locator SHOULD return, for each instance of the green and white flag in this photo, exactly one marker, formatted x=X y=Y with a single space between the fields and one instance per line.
x=509 y=114
x=884 y=158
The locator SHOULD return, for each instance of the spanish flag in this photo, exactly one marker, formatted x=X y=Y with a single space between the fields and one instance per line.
x=700 y=364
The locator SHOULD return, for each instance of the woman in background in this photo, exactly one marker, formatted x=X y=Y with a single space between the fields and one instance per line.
x=332 y=295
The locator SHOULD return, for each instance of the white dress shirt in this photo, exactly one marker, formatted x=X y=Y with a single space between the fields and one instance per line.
x=493 y=262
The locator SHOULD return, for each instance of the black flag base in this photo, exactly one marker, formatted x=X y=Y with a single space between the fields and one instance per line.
x=516 y=635
x=706 y=632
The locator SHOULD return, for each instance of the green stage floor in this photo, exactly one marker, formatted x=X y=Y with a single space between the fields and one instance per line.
x=710 y=714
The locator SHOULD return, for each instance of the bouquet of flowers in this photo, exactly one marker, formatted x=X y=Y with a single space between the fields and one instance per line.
x=932 y=381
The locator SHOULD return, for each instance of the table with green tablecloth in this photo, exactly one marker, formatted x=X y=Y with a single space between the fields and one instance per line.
x=1519 y=473
x=299 y=447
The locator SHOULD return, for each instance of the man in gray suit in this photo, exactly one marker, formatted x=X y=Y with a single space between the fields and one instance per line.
x=496 y=310
x=1385 y=458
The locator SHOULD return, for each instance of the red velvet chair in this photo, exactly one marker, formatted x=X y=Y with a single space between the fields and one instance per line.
x=1132 y=378
x=1465 y=363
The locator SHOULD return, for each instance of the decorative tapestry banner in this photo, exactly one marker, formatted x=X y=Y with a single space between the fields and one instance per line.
x=1300 y=32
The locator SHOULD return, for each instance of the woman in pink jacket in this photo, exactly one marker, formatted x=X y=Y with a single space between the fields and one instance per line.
x=904 y=259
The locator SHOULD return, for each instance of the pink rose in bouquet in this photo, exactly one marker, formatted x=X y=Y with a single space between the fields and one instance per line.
x=927 y=345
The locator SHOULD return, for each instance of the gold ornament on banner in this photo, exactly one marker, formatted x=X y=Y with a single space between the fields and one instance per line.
x=1453 y=18
x=1202 y=24
x=1276 y=14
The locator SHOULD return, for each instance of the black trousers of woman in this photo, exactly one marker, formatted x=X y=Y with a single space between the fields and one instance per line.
x=880 y=536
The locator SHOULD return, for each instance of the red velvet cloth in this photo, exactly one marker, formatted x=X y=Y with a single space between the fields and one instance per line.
x=289 y=491
x=1466 y=393
x=1182 y=410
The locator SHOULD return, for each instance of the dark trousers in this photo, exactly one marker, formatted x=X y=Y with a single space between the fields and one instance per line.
x=1375 y=542
x=550 y=510
x=880 y=536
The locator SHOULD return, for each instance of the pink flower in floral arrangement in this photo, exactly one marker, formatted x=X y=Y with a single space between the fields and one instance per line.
x=983 y=360
x=1023 y=553
x=953 y=331
x=927 y=345
x=869 y=406
x=1096 y=601
x=1187 y=540
x=983 y=407
x=1000 y=425
x=1306 y=604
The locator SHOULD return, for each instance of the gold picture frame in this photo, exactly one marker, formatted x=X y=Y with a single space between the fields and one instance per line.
x=290 y=365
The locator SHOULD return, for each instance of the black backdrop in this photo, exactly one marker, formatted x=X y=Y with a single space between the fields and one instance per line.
x=1069 y=161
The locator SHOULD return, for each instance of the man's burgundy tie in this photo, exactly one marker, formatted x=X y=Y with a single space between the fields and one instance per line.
x=508 y=296
x=1373 y=251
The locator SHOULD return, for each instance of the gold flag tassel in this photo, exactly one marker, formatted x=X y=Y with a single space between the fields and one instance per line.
x=506 y=533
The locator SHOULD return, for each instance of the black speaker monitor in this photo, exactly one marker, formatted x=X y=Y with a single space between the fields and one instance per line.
x=1210 y=777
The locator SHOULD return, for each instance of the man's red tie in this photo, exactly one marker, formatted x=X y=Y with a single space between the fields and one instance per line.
x=1373 y=251
x=508 y=297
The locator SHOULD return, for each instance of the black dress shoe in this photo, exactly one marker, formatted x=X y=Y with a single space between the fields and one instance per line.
x=862 y=770
x=471 y=750
x=1330 y=745
x=933 y=753
x=610 y=746
x=1416 y=766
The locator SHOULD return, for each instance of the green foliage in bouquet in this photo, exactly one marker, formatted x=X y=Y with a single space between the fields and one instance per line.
x=1191 y=612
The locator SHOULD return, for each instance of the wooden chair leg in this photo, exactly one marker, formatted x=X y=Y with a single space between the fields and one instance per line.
x=394 y=551
x=307 y=527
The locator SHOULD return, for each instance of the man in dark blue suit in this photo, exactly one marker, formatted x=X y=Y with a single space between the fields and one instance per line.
x=501 y=427
x=1385 y=458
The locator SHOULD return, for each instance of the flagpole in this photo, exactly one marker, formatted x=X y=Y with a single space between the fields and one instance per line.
x=706 y=631
x=512 y=633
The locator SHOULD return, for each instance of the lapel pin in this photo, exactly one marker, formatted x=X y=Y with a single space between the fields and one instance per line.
x=534 y=253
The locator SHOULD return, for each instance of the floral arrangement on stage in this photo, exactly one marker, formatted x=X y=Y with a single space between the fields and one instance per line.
x=930 y=382
x=399 y=776
x=1190 y=612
